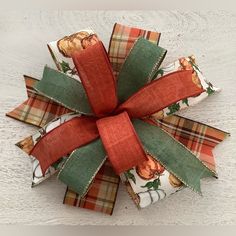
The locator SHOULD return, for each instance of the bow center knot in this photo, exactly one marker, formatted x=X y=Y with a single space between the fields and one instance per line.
x=121 y=142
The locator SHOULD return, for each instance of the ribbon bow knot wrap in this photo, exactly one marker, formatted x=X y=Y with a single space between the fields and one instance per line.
x=114 y=122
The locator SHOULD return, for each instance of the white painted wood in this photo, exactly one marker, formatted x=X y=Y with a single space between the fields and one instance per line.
x=211 y=36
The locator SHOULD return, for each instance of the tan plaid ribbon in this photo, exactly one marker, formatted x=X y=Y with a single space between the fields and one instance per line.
x=101 y=195
x=37 y=109
x=122 y=40
x=199 y=138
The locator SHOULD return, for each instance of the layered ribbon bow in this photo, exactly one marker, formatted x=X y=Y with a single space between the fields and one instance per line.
x=114 y=121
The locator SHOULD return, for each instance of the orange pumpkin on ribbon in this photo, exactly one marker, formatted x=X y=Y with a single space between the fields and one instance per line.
x=149 y=169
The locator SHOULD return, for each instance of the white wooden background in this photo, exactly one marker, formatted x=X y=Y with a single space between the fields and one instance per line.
x=211 y=36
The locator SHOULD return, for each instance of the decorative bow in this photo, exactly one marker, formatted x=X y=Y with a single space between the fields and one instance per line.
x=115 y=117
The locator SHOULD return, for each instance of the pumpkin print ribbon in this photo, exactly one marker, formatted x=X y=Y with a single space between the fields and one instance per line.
x=114 y=125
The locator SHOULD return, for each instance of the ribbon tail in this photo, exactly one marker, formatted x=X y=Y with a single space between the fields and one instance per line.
x=37 y=110
x=200 y=138
x=102 y=201
x=18 y=112
x=176 y=158
x=82 y=166
x=97 y=77
x=29 y=85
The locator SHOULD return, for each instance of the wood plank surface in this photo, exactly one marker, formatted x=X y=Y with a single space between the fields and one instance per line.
x=210 y=36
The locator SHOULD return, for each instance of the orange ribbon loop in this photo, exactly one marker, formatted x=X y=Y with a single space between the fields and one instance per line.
x=121 y=142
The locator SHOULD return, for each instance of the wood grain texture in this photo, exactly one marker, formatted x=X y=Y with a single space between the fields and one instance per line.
x=211 y=36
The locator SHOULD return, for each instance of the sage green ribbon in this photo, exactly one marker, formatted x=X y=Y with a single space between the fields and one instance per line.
x=82 y=165
x=139 y=68
x=172 y=155
x=64 y=90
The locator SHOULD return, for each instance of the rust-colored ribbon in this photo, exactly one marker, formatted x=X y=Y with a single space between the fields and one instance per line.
x=97 y=78
x=62 y=140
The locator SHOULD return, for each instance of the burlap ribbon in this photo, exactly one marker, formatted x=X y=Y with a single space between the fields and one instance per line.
x=115 y=124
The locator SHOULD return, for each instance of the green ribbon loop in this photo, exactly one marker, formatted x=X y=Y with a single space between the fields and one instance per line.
x=139 y=68
x=82 y=165
x=172 y=155
x=64 y=90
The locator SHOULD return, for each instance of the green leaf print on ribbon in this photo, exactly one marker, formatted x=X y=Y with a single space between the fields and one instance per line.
x=153 y=184
x=173 y=108
x=194 y=66
x=185 y=101
x=210 y=90
x=129 y=175
x=66 y=68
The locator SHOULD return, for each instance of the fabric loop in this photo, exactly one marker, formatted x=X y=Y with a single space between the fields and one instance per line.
x=62 y=140
x=97 y=78
x=139 y=68
x=160 y=94
x=119 y=138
